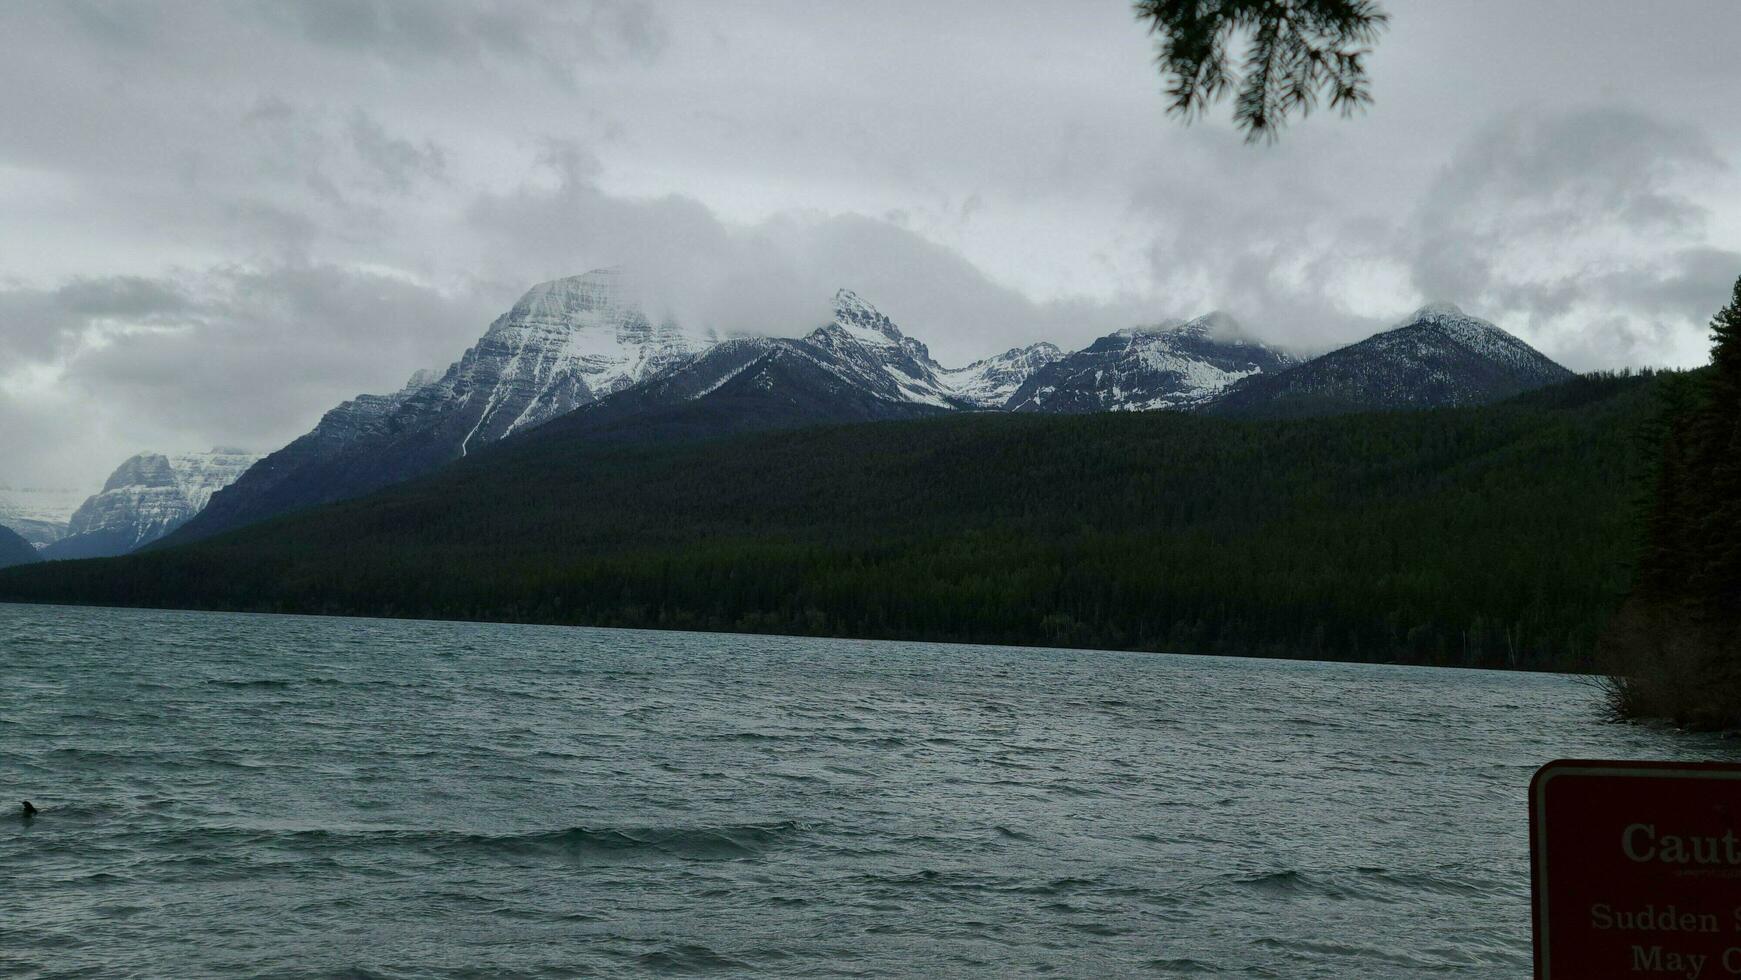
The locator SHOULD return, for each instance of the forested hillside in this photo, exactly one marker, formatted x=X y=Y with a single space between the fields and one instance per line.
x=1675 y=652
x=1496 y=536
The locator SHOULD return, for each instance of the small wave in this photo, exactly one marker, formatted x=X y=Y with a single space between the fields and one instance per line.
x=929 y=878
x=1181 y=965
x=1433 y=884
x=1289 y=883
x=1057 y=886
x=1323 y=949
x=274 y=684
x=690 y=958
x=697 y=843
x=728 y=842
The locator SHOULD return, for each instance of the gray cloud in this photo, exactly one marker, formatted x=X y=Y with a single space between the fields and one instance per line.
x=553 y=34
x=245 y=356
x=1586 y=225
x=775 y=276
x=398 y=163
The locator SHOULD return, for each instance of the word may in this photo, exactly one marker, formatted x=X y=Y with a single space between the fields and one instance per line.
x=1654 y=959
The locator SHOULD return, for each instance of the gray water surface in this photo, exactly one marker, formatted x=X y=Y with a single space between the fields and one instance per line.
x=231 y=794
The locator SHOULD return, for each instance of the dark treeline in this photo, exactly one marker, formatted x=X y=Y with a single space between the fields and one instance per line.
x=1676 y=649
x=1496 y=536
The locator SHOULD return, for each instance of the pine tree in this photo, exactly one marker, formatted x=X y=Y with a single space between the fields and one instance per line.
x=1670 y=542
x=1278 y=57
x=1717 y=437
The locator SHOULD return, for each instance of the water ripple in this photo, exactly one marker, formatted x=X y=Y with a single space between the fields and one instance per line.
x=230 y=794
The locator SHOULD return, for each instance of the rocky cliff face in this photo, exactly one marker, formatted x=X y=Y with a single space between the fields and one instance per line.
x=147 y=497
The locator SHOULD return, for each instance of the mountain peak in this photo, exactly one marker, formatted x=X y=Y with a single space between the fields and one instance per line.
x=560 y=299
x=850 y=305
x=1156 y=329
x=1432 y=311
x=1438 y=357
x=1452 y=322
x=1216 y=324
x=863 y=322
x=148 y=496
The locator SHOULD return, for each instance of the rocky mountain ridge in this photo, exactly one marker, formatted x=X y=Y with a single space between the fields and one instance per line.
x=1168 y=366
x=1438 y=357
x=580 y=357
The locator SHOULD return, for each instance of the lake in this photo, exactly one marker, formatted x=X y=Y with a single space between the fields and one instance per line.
x=226 y=794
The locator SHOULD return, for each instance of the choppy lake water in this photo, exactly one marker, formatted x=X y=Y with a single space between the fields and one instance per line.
x=230 y=794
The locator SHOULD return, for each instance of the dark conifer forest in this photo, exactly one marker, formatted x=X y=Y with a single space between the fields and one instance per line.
x=1676 y=650
x=1499 y=536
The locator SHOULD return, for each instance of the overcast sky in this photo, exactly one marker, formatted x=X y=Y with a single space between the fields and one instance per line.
x=219 y=219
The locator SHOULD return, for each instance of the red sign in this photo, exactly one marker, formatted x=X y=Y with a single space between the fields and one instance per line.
x=1635 y=869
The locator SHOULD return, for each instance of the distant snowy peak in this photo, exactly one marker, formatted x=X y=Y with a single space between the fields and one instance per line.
x=1475 y=334
x=571 y=300
x=39 y=514
x=865 y=348
x=1216 y=326
x=863 y=322
x=859 y=323
x=1170 y=365
x=1438 y=357
x=989 y=383
x=565 y=343
x=146 y=497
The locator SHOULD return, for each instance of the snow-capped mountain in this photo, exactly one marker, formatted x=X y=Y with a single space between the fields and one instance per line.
x=857 y=367
x=865 y=348
x=39 y=514
x=1168 y=366
x=989 y=383
x=584 y=343
x=147 y=497
x=564 y=344
x=582 y=355
x=1438 y=357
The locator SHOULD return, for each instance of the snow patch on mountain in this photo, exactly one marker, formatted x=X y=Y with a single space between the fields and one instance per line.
x=866 y=349
x=1437 y=357
x=1170 y=365
x=1475 y=334
x=566 y=343
x=148 y=496
x=989 y=382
